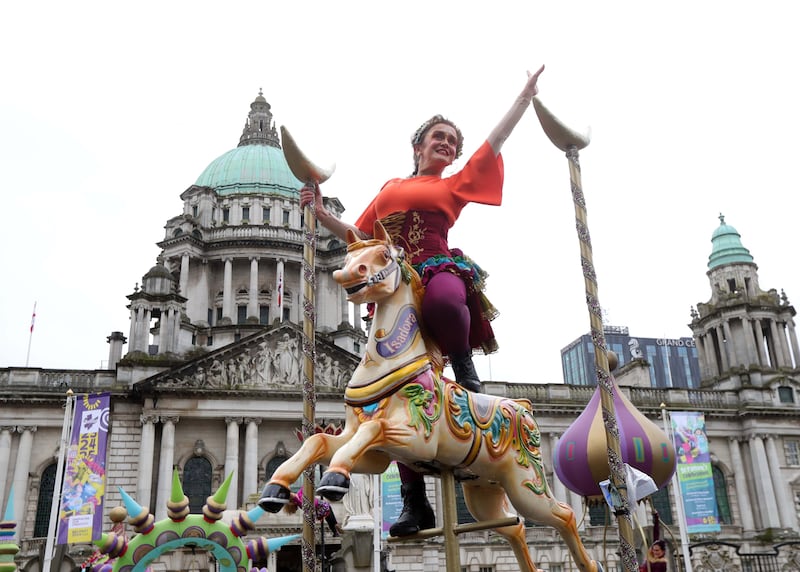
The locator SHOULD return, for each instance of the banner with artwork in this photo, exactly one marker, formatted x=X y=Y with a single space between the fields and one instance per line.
x=81 y=511
x=694 y=472
x=391 y=501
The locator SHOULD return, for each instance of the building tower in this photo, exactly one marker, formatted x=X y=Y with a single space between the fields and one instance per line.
x=745 y=336
x=231 y=262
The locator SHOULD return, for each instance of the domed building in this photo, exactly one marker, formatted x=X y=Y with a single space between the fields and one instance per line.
x=210 y=388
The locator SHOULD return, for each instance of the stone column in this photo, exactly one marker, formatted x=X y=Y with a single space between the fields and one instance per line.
x=777 y=345
x=740 y=482
x=5 y=455
x=733 y=359
x=166 y=332
x=227 y=290
x=702 y=359
x=250 y=482
x=753 y=355
x=768 y=506
x=252 y=298
x=232 y=460
x=183 y=285
x=144 y=479
x=21 y=470
x=787 y=353
x=165 y=465
x=723 y=348
x=559 y=490
x=793 y=340
x=711 y=357
x=759 y=337
x=782 y=493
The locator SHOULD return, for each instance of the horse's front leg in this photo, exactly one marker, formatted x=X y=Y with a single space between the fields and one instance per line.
x=318 y=447
x=336 y=481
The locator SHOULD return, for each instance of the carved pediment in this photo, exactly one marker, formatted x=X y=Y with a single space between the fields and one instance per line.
x=272 y=360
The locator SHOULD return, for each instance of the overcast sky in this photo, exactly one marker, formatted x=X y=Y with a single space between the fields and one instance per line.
x=109 y=111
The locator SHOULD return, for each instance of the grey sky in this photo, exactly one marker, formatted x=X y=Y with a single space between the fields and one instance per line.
x=109 y=112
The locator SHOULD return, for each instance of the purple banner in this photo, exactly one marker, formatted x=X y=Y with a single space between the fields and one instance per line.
x=694 y=472
x=81 y=511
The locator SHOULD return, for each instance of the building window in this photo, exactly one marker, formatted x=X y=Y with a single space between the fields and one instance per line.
x=210 y=316
x=194 y=211
x=263 y=315
x=786 y=394
x=464 y=516
x=226 y=214
x=197 y=483
x=245 y=213
x=265 y=212
x=356 y=348
x=241 y=314
x=285 y=217
x=599 y=515
x=219 y=314
x=791 y=448
x=45 y=502
x=721 y=492
x=662 y=504
x=210 y=341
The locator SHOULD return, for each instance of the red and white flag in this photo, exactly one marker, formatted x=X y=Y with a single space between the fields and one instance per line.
x=33 y=316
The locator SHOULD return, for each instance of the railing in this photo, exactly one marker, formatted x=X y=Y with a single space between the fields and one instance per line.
x=56 y=379
x=267 y=232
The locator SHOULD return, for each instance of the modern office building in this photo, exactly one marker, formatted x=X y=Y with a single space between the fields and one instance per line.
x=672 y=361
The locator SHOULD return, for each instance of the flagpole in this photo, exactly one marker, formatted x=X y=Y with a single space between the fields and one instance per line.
x=55 y=507
x=30 y=336
x=676 y=493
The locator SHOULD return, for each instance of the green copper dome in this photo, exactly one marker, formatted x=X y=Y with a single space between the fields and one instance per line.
x=726 y=246
x=257 y=165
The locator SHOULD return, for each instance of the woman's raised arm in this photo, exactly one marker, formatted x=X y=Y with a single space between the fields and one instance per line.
x=500 y=133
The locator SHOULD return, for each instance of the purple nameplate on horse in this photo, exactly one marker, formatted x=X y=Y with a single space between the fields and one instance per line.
x=401 y=336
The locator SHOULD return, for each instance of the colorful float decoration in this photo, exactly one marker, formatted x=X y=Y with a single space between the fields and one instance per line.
x=581 y=459
x=181 y=529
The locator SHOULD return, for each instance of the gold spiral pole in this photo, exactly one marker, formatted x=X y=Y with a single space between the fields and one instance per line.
x=607 y=388
x=305 y=170
x=570 y=142
x=309 y=395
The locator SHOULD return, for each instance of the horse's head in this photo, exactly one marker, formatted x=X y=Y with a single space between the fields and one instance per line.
x=372 y=269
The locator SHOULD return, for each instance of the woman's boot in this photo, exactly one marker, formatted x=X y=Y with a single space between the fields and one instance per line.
x=465 y=373
x=417 y=512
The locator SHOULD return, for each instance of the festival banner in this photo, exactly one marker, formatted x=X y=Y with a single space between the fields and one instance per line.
x=694 y=472
x=81 y=511
x=391 y=501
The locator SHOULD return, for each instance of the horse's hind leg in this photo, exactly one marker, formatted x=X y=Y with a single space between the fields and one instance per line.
x=489 y=503
x=545 y=509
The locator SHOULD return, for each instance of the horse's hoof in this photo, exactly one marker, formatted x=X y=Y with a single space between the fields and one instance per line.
x=273 y=497
x=333 y=486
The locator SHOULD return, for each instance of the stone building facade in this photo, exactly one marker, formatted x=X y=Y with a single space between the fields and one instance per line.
x=211 y=384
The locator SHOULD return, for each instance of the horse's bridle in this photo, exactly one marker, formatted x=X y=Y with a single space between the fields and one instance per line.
x=384 y=273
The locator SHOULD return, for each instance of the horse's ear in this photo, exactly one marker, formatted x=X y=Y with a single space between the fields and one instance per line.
x=380 y=232
x=351 y=237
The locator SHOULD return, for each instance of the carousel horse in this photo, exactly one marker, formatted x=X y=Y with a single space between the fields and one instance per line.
x=399 y=407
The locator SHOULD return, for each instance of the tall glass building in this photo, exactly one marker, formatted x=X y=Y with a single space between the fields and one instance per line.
x=673 y=361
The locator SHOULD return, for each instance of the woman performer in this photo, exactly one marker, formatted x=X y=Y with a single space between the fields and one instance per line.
x=417 y=212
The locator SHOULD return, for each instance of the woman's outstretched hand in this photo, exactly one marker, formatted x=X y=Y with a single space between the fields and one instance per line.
x=311 y=193
x=531 y=88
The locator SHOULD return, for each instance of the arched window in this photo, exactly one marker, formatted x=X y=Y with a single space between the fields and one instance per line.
x=45 y=502
x=273 y=464
x=721 y=492
x=197 y=483
x=599 y=514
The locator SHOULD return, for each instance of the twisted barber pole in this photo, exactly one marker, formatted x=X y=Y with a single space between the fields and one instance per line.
x=571 y=142
x=307 y=172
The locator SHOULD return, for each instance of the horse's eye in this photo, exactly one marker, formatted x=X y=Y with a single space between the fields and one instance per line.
x=386 y=254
